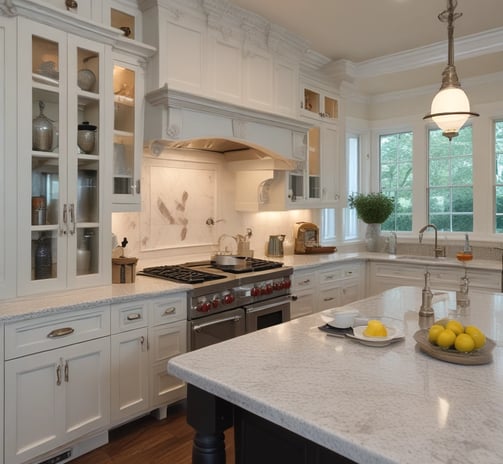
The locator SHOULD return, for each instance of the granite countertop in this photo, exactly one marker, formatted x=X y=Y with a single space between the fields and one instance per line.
x=390 y=404
x=147 y=287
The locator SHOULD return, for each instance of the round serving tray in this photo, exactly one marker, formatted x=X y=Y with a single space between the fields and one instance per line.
x=482 y=356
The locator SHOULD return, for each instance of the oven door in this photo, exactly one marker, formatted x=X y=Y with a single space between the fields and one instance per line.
x=216 y=328
x=267 y=313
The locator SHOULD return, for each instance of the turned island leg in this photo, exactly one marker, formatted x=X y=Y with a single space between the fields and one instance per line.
x=209 y=416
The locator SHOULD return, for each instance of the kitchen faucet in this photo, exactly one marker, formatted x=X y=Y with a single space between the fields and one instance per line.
x=439 y=251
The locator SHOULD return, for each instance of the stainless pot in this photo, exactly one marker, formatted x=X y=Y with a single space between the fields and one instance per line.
x=275 y=245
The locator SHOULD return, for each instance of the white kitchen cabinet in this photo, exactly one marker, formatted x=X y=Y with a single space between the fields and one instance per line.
x=129 y=379
x=317 y=103
x=63 y=217
x=386 y=275
x=339 y=285
x=304 y=293
x=167 y=338
x=56 y=381
x=128 y=89
x=8 y=145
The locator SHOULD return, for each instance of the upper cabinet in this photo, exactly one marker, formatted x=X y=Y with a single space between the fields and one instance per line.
x=318 y=104
x=76 y=130
x=61 y=166
x=235 y=57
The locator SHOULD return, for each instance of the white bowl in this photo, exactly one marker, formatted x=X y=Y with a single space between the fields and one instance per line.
x=344 y=318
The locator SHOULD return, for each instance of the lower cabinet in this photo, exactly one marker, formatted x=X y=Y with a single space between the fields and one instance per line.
x=324 y=287
x=386 y=275
x=55 y=397
x=145 y=334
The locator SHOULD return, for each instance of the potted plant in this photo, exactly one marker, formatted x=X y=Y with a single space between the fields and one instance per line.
x=373 y=209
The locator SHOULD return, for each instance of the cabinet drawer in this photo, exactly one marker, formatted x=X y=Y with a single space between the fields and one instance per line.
x=303 y=280
x=338 y=274
x=128 y=316
x=49 y=332
x=166 y=310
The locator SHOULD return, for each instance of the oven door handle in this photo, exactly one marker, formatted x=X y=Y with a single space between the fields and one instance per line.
x=254 y=309
x=219 y=321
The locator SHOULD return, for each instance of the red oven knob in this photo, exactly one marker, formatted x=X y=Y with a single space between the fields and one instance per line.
x=205 y=307
x=215 y=302
x=228 y=299
x=268 y=289
x=255 y=291
x=287 y=283
x=277 y=286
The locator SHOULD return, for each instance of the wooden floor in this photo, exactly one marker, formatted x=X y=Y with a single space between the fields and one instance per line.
x=149 y=441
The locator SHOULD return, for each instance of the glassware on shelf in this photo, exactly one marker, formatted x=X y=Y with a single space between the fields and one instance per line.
x=42 y=131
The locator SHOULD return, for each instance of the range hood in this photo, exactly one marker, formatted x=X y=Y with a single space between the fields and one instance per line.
x=247 y=139
x=242 y=155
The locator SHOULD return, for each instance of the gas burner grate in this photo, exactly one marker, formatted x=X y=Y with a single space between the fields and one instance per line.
x=180 y=274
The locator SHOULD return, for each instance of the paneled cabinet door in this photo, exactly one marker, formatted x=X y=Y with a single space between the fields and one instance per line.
x=129 y=376
x=167 y=341
x=332 y=173
x=61 y=212
x=54 y=397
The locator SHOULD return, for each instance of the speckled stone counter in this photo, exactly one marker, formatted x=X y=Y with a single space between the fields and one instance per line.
x=34 y=306
x=390 y=404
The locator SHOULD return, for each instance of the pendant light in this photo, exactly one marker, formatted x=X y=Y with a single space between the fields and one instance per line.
x=450 y=107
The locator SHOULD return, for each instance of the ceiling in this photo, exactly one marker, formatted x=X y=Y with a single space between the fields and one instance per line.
x=378 y=35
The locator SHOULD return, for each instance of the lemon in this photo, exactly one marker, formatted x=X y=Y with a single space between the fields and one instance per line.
x=478 y=336
x=446 y=338
x=455 y=326
x=434 y=331
x=375 y=329
x=464 y=343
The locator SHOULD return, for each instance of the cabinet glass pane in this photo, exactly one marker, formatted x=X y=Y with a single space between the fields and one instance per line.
x=314 y=163
x=44 y=254
x=87 y=192
x=45 y=61
x=331 y=108
x=87 y=250
x=44 y=191
x=311 y=101
x=123 y=21
x=124 y=127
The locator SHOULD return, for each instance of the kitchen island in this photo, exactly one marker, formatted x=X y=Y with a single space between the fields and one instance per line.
x=327 y=399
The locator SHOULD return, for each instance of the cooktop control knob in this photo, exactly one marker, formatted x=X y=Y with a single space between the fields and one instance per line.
x=255 y=291
x=228 y=298
x=215 y=302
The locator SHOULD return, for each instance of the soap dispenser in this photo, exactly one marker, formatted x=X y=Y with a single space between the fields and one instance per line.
x=427 y=297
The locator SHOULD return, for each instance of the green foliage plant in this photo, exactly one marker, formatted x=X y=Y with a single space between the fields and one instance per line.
x=372 y=208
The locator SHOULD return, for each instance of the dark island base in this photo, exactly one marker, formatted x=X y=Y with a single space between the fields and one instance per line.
x=257 y=441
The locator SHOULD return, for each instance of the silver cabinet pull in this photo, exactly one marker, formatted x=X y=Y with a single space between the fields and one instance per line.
x=60 y=332
x=72 y=218
x=133 y=317
x=169 y=311
x=66 y=371
x=144 y=343
x=329 y=299
x=58 y=374
x=63 y=228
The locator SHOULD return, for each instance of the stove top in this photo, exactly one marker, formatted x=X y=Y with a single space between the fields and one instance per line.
x=201 y=271
x=180 y=274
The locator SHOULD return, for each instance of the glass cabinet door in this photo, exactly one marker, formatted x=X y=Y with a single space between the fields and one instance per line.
x=63 y=158
x=127 y=148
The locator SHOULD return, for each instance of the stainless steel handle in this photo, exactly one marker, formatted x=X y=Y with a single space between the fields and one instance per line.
x=63 y=228
x=254 y=309
x=60 y=332
x=58 y=374
x=305 y=282
x=133 y=317
x=66 y=371
x=142 y=343
x=72 y=218
x=170 y=310
x=219 y=321
x=329 y=299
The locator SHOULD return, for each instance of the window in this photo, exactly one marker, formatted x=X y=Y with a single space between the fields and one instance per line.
x=395 y=155
x=353 y=185
x=450 y=181
x=498 y=151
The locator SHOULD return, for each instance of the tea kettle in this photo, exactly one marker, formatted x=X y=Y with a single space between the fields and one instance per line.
x=275 y=245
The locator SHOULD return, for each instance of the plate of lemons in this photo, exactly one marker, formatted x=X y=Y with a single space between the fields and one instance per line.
x=376 y=333
x=449 y=340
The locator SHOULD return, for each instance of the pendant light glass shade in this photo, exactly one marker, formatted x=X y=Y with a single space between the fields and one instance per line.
x=450 y=109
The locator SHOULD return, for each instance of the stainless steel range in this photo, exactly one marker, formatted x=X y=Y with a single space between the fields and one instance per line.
x=229 y=300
